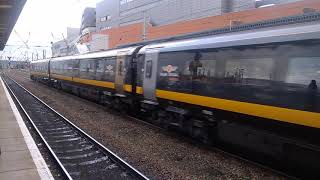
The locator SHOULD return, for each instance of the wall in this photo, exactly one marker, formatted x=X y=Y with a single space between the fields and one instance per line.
x=162 y=12
x=107 y=8
x=240 y=5
x=215 y=22
x=134 y=33
x=99 y=42
x=88 y=19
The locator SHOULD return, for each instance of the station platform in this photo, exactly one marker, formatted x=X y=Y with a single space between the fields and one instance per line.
x=20 y=157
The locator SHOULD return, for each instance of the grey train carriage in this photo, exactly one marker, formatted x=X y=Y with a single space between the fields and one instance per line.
x=254 y=90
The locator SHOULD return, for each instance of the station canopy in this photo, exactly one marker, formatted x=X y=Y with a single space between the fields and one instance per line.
x=9 y=13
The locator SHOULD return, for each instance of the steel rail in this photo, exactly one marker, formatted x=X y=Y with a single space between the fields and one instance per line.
x=108 y=152
x=214 y=148
x=37 y=130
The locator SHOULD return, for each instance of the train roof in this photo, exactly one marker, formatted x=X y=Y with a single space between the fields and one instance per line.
x=40 y=61
x=107 y=53
x=262 y=36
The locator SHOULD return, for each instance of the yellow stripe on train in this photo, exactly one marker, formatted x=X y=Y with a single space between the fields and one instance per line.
x=95 y=83
x=281 y=114
x=106 y=84
x=41 y=74
x=270 y=112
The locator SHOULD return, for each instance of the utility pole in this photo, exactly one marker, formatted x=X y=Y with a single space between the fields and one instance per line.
x=27 y=56
x=66 y=41
x=44 y=56
x=144 y=35
x=9 y=62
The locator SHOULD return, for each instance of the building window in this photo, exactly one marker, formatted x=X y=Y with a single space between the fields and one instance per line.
x=122 y=2
x=105 y=18
x=108 y=27
x=302 y=70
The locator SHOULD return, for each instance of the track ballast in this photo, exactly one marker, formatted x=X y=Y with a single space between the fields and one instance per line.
x=78 y=154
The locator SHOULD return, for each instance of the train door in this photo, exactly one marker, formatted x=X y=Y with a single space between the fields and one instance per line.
x=120 y=74
x=76 y=68
x=150 y=74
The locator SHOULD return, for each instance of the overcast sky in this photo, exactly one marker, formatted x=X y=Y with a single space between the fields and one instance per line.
x=40 y=18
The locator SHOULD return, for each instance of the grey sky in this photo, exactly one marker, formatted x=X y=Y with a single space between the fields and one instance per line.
x=42 y=18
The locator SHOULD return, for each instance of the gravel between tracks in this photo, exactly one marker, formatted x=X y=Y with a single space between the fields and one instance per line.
x=152 y=151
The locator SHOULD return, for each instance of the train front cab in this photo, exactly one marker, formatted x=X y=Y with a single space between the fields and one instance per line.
x=39 y=70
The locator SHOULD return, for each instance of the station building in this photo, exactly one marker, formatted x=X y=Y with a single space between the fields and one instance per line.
x=161 y=12
x=120 y=22
x=66 y=46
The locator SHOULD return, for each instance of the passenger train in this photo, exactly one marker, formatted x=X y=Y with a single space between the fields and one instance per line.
x=257 y=90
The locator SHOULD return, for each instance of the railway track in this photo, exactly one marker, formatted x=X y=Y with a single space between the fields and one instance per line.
x=78 y=155
x=228 y=152
x=231 y=153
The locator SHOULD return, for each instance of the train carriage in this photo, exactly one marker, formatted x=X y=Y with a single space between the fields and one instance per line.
x=251 y=73
x=102 y=76
x=254 y=90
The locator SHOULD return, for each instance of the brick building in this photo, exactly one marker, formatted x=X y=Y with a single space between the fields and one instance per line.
x=121 y=22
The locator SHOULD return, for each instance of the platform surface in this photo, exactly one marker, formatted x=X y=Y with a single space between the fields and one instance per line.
x=20 y=158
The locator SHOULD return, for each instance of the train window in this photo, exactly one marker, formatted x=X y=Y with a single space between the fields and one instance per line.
x=188 y=65
x=75 y=68
x=69 y=65
x=65 y=66
x=100 y=65
x=175 y=65
x=88 y=69
x=302 y=70
x=57 y=65
x=84 y=66
x=92 y=66
x=109 y=69
x=149 y=69
x=205 y=67
x=196 y=67
x=53 y=67
x=76 y=64
x=239 y=69
x=60 y=67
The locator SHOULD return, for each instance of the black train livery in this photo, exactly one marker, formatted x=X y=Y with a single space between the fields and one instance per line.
x=254 y=90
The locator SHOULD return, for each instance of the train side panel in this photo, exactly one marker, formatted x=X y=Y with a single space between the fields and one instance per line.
x=105 y=78
x=262 y=98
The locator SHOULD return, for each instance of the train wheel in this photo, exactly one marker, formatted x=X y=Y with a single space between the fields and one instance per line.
x=199 y=130
x=163 y=119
